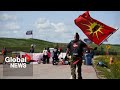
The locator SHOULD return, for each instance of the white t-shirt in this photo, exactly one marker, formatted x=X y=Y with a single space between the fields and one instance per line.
x=44 y=52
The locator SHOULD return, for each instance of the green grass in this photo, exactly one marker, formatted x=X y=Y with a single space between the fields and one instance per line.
x=24 y=45
x=113 y=48
x=13 y=44
x=112 y=71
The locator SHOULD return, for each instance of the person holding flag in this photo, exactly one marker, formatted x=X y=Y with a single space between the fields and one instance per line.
x=95 y=30
x=75 y=49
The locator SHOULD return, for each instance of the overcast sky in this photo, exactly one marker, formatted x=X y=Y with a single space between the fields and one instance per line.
x=54 y=26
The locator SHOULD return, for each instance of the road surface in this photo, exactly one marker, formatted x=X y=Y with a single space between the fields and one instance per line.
x=49 y=71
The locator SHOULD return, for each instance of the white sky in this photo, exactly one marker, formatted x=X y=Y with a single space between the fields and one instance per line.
x=54 y=26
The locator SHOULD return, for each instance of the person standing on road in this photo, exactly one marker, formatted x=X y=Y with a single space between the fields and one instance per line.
x=48 y=56
x=55 y=56
x=4 y=53
x=75 y=48
x=45 y=56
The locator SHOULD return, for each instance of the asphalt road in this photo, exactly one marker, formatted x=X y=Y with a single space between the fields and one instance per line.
x=46 y=71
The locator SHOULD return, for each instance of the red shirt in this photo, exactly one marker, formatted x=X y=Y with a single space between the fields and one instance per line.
x=49 y=54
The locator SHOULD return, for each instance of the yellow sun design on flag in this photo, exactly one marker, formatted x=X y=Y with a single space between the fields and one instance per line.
x=94 y=28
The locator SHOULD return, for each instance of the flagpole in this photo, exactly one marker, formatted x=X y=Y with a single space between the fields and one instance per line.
x=32 y=34
x=117 y=29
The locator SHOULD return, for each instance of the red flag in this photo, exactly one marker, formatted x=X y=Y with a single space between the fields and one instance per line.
x=93 y=29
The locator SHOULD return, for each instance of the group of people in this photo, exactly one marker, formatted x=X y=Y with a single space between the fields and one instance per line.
x=74 y=49
x=47 y=54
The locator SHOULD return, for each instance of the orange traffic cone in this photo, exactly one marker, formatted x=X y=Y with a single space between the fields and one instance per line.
x=111 y=60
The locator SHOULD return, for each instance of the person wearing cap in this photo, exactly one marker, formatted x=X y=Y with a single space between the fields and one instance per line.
x=75 y=49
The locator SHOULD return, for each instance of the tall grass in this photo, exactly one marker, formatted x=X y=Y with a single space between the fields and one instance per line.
x=113 y=70
x=13 y=44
